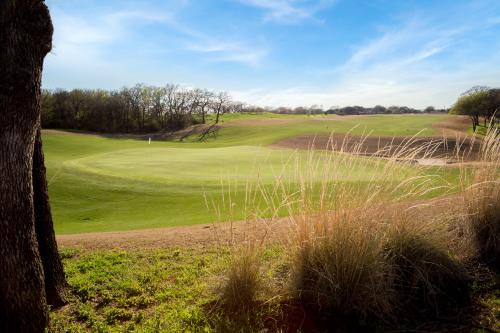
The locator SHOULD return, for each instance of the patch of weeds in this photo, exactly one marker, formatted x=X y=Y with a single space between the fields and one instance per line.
x=68 y=253
x=146 y=291
x=84 y=312
x=113 y=315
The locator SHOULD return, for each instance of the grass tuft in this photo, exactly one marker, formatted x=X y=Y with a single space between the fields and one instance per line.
x=341 y=269
x=241 y=287
x=482 y=201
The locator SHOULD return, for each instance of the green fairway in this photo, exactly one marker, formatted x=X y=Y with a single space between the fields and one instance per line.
x=260 y=133
x=104 y=184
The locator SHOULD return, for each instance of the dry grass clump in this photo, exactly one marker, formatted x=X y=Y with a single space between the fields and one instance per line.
x=362 y=253
x=243 y=282
x=339 y=267
x=482 y=201
x=377 y=261
x=427 y=279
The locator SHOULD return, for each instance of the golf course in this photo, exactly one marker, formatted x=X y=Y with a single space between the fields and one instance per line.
x=111 y=183
x=249 y=166
x=189 y=231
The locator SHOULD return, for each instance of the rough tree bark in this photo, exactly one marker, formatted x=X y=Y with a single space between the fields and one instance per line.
x=27 y=241
x=55 y=282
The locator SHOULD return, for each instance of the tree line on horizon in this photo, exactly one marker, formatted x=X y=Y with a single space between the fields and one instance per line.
x=143 y=108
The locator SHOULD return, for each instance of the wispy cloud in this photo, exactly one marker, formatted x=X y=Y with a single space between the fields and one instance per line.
x=289 y=11
x=82 y=41
x=79 y=41
x=407 y=44
x=418 y=62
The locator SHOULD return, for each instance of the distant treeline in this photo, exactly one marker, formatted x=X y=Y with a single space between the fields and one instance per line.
x=143 y=108
x=138 y=109
x=379 y=109
x=357 y=110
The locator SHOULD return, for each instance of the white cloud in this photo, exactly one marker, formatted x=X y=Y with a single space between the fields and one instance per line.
x=82 y=41
x=229 y=51
x=289 y=11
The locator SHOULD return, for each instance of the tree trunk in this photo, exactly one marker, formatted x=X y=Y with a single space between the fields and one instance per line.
x=474 y=123
x=25 y=39
x=203 y=121
x=55 y=282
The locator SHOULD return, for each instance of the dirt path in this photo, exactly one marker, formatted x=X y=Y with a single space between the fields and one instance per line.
x=201 y=235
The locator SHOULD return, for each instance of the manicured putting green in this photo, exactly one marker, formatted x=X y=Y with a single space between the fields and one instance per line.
x=105 y=184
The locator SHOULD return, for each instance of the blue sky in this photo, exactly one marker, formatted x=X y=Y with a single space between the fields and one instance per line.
x=281 y=52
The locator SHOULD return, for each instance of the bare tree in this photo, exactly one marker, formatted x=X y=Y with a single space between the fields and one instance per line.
x=206 y=98
x=158 y=105
x=171 y=101
x=145 y=104
x=220 y=104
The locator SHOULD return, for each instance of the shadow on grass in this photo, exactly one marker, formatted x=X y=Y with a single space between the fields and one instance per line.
x=477 y=314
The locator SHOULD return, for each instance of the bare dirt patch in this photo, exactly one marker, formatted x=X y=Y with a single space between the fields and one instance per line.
x=438 y=148
x=453 y=126
x=203 y=235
